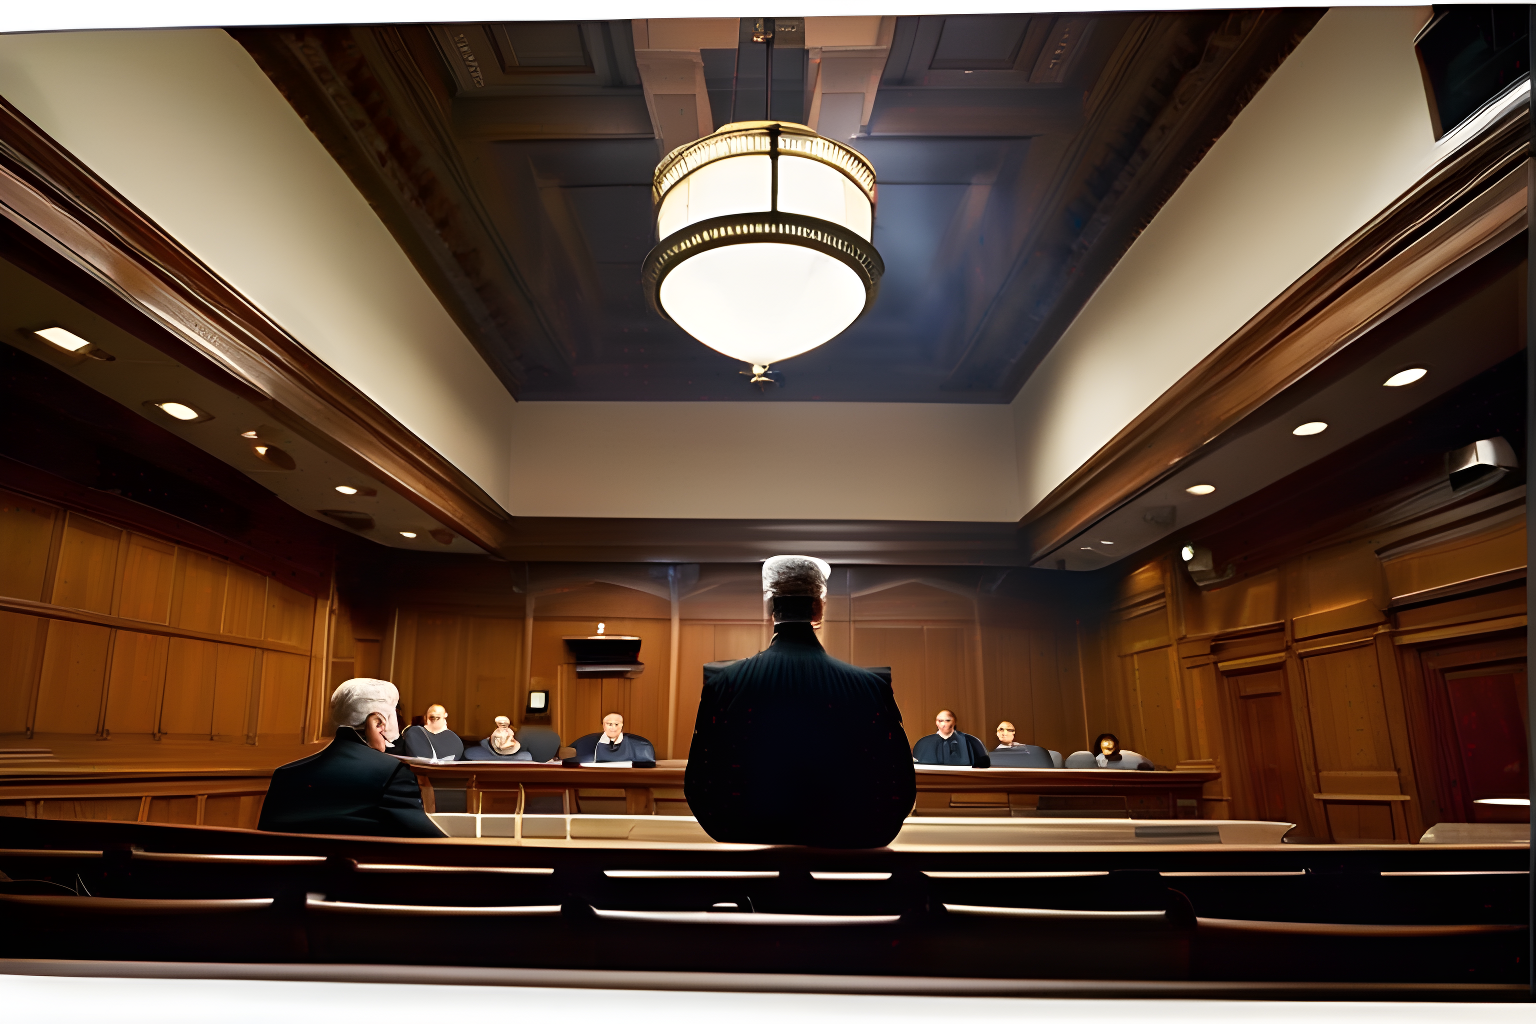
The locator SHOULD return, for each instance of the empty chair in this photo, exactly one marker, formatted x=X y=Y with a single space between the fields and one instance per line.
x=1023 y=756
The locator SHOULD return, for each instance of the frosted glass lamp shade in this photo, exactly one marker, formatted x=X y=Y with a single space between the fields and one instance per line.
x=764 y=210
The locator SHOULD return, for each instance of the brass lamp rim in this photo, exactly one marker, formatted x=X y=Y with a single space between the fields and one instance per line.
x=741 y=138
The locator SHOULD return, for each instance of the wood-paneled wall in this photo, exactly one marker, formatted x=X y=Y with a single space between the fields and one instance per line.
x=1317 y=686
x=110 y=632
x=985 y=655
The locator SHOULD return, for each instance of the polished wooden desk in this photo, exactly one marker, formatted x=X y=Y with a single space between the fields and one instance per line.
x=504 y=787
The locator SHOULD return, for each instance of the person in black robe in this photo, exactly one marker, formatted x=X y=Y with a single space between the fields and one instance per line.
x=792 y=746
x=433 y=740
x=352 y=787
x=950 y=746
x=613 y=744
x=500 y=745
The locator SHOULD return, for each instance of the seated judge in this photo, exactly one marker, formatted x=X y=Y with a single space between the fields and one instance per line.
x=950 y=746
x=613 y=744
x=433 y=740
x=500 y=745
x=1010 y=754
x=352 y=787
x=792 y=746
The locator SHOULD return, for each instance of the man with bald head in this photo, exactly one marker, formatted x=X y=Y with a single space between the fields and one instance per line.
x=434 y=740
x=614 y=744
x=793 y=746
x=948 y=745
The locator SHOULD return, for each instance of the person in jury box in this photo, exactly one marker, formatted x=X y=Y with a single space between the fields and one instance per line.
x=352 y=787
x=500 y=745
x=433 y=740
x=793 y=746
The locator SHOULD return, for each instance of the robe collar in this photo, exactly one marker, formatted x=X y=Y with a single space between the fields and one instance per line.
x=794 y=634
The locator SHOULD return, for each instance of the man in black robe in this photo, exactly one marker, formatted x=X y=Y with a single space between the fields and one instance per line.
x=950 y=746
x=614 y=744
x=351 y=788
x=793 y=746
x=433 y=740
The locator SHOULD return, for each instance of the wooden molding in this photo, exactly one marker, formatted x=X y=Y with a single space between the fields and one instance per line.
x=1473 y=201
x=58 y=201
x=43 y=610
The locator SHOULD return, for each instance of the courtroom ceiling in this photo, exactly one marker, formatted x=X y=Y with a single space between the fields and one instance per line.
x=1018 y=156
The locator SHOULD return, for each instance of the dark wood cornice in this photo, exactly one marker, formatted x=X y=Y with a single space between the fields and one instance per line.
x=364 y=93
x=1175 y=83
x=48 y=194
x=1461 y=210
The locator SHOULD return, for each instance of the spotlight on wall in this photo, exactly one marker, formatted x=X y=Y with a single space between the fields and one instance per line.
x=1480 y=463
x=1402 y=377
x=1202 y=566
x=1308 y=429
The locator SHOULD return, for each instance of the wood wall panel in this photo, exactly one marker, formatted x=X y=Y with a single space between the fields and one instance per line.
x=284 y=682
x=197 y=601
x=87 y=573
x=290 y=615
x=134 y=682
x=1497 y=547
x=1161 y=732
x=73 y=678
x=1349 y=718
x=245 y=603
x=235 y=682
x=191 y=671
x=26 y=533
x=149 y=576
x=21 y=646
x=492 y=665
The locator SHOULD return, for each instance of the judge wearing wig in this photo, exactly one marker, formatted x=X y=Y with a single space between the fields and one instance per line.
x=793 y=746
x=500 y=745
x=352 y=787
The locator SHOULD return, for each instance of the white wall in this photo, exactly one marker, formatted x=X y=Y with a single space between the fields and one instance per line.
x=1340 y=131
x=774 y=460
x=186 y=126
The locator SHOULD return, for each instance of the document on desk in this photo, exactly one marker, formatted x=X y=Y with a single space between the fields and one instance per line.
x=607 y=764
x=944 y=767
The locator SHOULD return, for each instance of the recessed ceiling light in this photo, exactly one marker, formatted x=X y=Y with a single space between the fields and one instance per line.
x=1106 y=542
x=65 y=340
x=1085 y=549
x=1402 y=377
x=1200 y=489
x=1308 y=429
x=249 y=433
x=1505 y=801
x=344 y=489
x=407 y=534
x=179 y=411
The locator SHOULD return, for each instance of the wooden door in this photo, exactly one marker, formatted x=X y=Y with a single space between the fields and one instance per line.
x=1488 y=715
x=1268 y=747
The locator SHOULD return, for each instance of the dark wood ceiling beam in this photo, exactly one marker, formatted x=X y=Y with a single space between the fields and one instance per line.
x=1459 y=212
x=1176 y=83
x=51 y=197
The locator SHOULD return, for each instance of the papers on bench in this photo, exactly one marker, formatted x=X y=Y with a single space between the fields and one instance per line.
x=607 y=764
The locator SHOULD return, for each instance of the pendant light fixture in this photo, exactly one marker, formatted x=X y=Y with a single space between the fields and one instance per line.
x=765 y=247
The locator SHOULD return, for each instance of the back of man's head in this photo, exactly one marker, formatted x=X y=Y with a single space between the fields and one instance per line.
x=796 y=586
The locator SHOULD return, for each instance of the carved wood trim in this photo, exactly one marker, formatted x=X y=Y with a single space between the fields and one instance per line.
x=55 y=199
x=1456 y=213
x=43 y=610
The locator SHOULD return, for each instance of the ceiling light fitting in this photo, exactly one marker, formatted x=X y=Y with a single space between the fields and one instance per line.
x=1308 y=429
x=1402 y=377
x=182 y=412
x=765 y=232
x=407 y=534
x=66 y=340
x=1200 y=489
